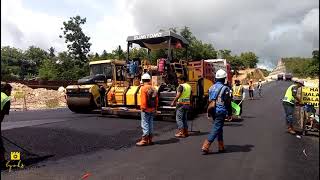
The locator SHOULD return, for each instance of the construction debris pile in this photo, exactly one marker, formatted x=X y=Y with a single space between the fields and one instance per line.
x=24 y=97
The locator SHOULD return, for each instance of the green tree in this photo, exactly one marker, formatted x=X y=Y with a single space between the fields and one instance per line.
x=224 y=53
x=119 y=53
x=34 y=56
x=141 y=53
x=77 y=42
x=68 y=67
x=197 y=49
x=302 y=67
x=249 y=59
x=49 y=70
x=104 y=55
x=235 y=63
x=187 y=34
x=11 y=62
x=200 y=50
x=51 y=52
x=181 y=53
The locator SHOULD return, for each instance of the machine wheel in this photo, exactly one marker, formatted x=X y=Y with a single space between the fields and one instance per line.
x=82 y=108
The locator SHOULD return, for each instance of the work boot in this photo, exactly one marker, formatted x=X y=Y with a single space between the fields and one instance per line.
x=150 y=139
x=205 y=147
x=143 y=142
x=291 y=130
x=180 y=134
x=221 y=147
x=185 y=131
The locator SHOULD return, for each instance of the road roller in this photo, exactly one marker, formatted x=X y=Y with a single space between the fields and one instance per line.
x=85 y=96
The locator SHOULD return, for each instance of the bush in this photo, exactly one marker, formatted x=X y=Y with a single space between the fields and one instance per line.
x=301 y=67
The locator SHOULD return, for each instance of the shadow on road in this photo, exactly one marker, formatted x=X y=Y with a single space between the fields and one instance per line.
x=236 y=120
x=248 y=117
x=167 y=141
x=197 y=133
x=31 y=161
x=235 y=148
x=233 y=124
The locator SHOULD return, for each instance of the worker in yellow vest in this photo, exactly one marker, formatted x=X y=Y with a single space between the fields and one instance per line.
x=289 y=101
x=5 y=107
x=183 y=103
x=238 y=95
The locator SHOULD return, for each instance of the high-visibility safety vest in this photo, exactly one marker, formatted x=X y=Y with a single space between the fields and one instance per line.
x=288 y=97
x=185 y=95
x=4 y=100
x=236 y=90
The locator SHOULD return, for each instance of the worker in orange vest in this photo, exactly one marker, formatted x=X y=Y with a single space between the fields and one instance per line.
x=149 y=101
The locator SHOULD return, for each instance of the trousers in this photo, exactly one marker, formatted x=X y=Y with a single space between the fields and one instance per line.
x=217 y=128
x=147 y=123
x=289 y=111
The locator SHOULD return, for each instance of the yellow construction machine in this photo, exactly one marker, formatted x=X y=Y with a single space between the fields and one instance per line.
x=124 y=96
x=85 y=96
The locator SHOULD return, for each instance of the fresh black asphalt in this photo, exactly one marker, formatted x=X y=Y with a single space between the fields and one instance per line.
x=70 y=145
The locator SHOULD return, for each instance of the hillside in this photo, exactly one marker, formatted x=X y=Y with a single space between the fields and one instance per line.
x=245 y=75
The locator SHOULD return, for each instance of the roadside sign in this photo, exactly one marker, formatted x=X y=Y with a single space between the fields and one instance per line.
x=310 y=95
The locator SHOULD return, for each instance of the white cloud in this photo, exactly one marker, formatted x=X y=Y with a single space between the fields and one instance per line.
x=112 y=30
x=21 y=27
x=310 y=27
x=272 y=29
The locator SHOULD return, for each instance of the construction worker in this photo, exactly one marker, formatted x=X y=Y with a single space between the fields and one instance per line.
x=148 y=109
x=238 y=95
x=102 y=92
x=289 y=101
x=5 y=108
x=260 y=88
x=220 y=95
x=251 y=89
x=182 y=102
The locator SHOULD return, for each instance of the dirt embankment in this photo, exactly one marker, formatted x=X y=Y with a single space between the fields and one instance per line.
x=24 y=97
x=245 y=75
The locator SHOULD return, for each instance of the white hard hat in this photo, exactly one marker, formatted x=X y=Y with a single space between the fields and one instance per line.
x=220 y=74
x=145 y=76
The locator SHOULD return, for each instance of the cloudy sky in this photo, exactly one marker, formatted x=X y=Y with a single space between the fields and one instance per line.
x=271 y=29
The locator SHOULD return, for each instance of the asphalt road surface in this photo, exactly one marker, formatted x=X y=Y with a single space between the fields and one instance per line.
x=70 y=146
